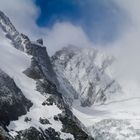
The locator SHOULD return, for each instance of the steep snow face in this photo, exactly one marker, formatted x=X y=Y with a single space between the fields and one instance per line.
x=118 y=118
x=82 y=74
x=14 y=62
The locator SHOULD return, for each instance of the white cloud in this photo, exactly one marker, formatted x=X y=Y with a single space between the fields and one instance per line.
x=63 y=34
x=22 y=13
x=127 y=49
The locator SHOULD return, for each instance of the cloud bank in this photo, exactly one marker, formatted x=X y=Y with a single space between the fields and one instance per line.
x=24 y=14
x=63 y=34
x=96 y=17
x=127 y=48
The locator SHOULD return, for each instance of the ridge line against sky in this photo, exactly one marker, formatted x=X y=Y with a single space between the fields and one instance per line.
x=101 y=20
x=26 y=14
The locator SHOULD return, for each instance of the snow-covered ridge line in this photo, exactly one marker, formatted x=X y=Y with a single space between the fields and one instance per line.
x=6 y=24
x=20 y=41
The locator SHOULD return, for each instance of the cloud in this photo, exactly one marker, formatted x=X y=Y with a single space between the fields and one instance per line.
x=63 y=34
x=127 y=48
x=24 y=13
x=97 y=17
x=101 y=21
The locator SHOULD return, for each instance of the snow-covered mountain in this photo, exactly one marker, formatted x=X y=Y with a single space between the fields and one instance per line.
x=31 y=108
x=109 y=108
x=82 y=75
x=72 y=95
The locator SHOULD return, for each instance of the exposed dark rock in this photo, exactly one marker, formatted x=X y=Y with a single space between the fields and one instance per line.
x=12 y=101
x=46 y=87
x=44 y=121
x=72 y=126
x=4 y=135
x=14 y=104
x=34 y=134
x=5 y=22
x=42 y=59
x=19 y=41
x=48 y=102
x=56 y=118
x=70 y=123
x=52 y=134
x=27 y=119
x=34 y=71
x=54 y=99
x=26 y=42
x=30 y=134
x=86 y=102
x=40 y=41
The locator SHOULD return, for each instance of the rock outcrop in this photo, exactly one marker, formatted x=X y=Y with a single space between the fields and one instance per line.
x=12 y=101
x=47 y=101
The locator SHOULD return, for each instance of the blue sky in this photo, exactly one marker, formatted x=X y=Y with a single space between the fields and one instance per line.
x=102 y=20
x=98 y=23
x=114 y=22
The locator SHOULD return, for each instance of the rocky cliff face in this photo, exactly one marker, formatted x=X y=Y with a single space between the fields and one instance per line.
x=41 y=61
x=12 y=101
x=49 y=118
x=82 y=74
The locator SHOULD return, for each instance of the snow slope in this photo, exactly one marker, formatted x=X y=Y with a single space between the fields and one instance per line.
x=14 y=62
x=117 y=117
x=117 y=120
x=82 y=73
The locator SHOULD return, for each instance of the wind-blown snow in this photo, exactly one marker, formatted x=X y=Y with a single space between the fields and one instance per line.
x=14 y=62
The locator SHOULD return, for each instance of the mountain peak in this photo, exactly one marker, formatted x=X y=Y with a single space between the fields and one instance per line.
x=83 y=74
x=29 y=87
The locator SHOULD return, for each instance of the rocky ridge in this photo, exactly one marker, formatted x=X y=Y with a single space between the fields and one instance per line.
x=42 y=73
